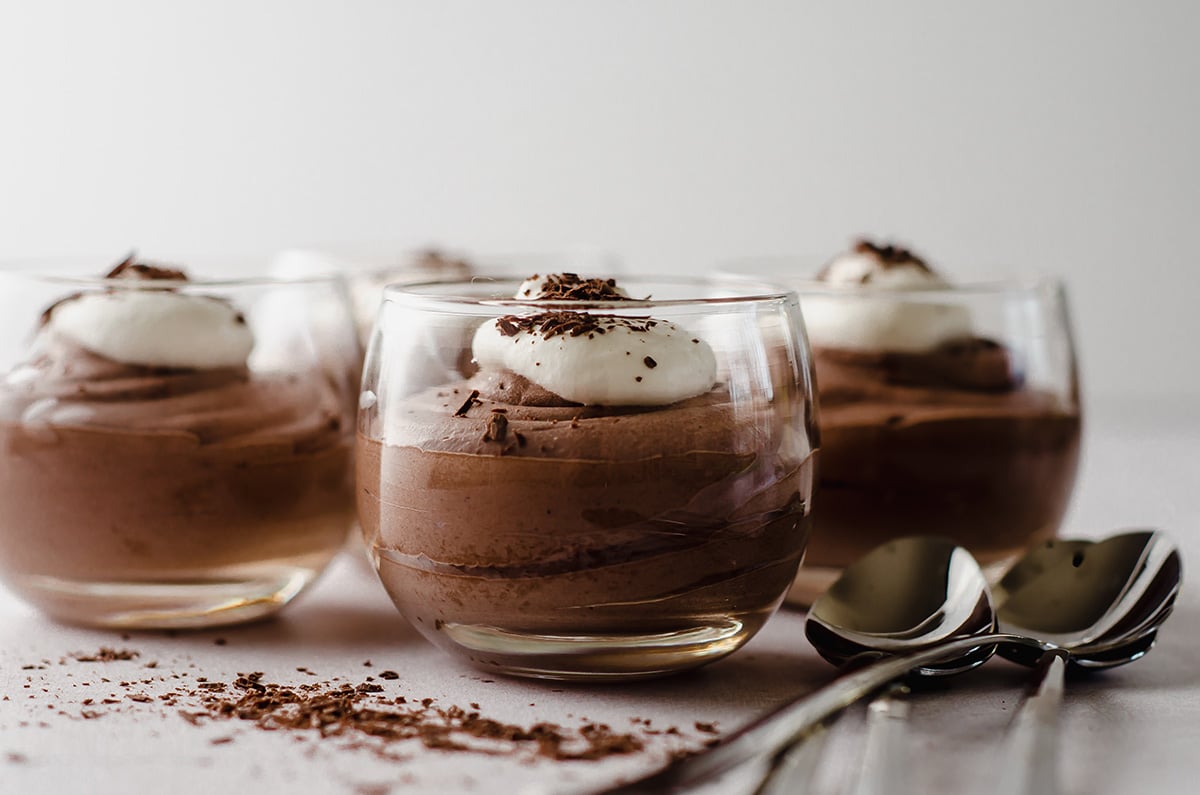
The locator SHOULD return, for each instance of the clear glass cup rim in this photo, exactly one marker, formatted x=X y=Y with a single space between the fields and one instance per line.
x=35 y=270
x=786 y=272
x=439 y=293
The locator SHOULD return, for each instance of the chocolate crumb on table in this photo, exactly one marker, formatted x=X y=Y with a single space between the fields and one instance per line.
x=363 y=717
x=105 y=654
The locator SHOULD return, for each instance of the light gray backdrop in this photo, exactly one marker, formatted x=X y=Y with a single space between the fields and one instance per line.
x=1043 y=136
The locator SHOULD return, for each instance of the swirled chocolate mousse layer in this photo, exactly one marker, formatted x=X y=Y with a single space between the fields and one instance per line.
x=498 y=501
x=928 y=429
x=118 y=471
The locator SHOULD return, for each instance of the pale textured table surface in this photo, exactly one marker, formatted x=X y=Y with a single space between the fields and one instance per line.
x=1132 y=729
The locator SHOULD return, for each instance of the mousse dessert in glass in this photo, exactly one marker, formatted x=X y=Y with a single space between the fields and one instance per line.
x=173 y=453
x=945 y=409
x=615 y=487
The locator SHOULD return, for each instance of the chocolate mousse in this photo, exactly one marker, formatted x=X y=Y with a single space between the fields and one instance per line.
x=591 y=484
x=142 y=456
x=927 y=428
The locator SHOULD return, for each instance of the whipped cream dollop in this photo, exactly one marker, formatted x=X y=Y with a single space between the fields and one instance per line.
x=149 y=325
x=873 y=312
x=596 y=359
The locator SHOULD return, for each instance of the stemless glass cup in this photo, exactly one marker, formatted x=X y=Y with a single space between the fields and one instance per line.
x=167 y=496
x=368 y=269
x=585 y=542
x=977 y=439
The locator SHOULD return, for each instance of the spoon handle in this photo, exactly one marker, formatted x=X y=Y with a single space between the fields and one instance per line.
x=1030 y=758
x=763 y=737
x=793 y=771
x=885 y=767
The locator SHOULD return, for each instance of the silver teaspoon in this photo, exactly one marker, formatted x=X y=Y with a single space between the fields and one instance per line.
x=1140 y=579
x=1095 y=605
x=1079 y=603
x=930 y=596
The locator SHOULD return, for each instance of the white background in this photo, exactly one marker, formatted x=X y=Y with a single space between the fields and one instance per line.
x=1043 y=136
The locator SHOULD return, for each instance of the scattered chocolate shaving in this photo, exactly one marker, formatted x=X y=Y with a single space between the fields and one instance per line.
x=888 y=256
x=340 y=711
x=471 y=400
x=571 y=287
x=130 y=268
x=364 y=717
x=649 y=362
x=105 y=654
x=571 y=324
x=497 y=428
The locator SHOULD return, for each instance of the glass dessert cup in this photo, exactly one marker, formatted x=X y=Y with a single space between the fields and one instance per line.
x=172 y=453
x=552 y=537
x=369 y=269
x=975 y=438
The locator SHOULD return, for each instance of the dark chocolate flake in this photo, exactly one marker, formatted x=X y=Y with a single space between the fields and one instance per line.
x=497 y=428
x=130 y=268
x=649 y=362
x=549 y=325
x=471 y=400
x=572 y=287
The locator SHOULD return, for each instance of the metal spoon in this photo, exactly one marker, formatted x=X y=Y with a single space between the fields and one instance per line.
x=887 y=604
x=1096 y=605
x=935 y=600
x=1086 y=604
x=1123 y=596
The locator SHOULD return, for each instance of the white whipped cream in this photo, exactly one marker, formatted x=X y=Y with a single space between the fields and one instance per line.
x=868 y=310
x=622 y=367
x=155 y=328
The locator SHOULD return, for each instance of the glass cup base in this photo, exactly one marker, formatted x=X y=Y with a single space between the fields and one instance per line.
x=597 y=658
x=191 y=604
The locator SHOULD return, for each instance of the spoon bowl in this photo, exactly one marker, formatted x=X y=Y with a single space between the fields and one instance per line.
x=908 y=594
x=1102 y=602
